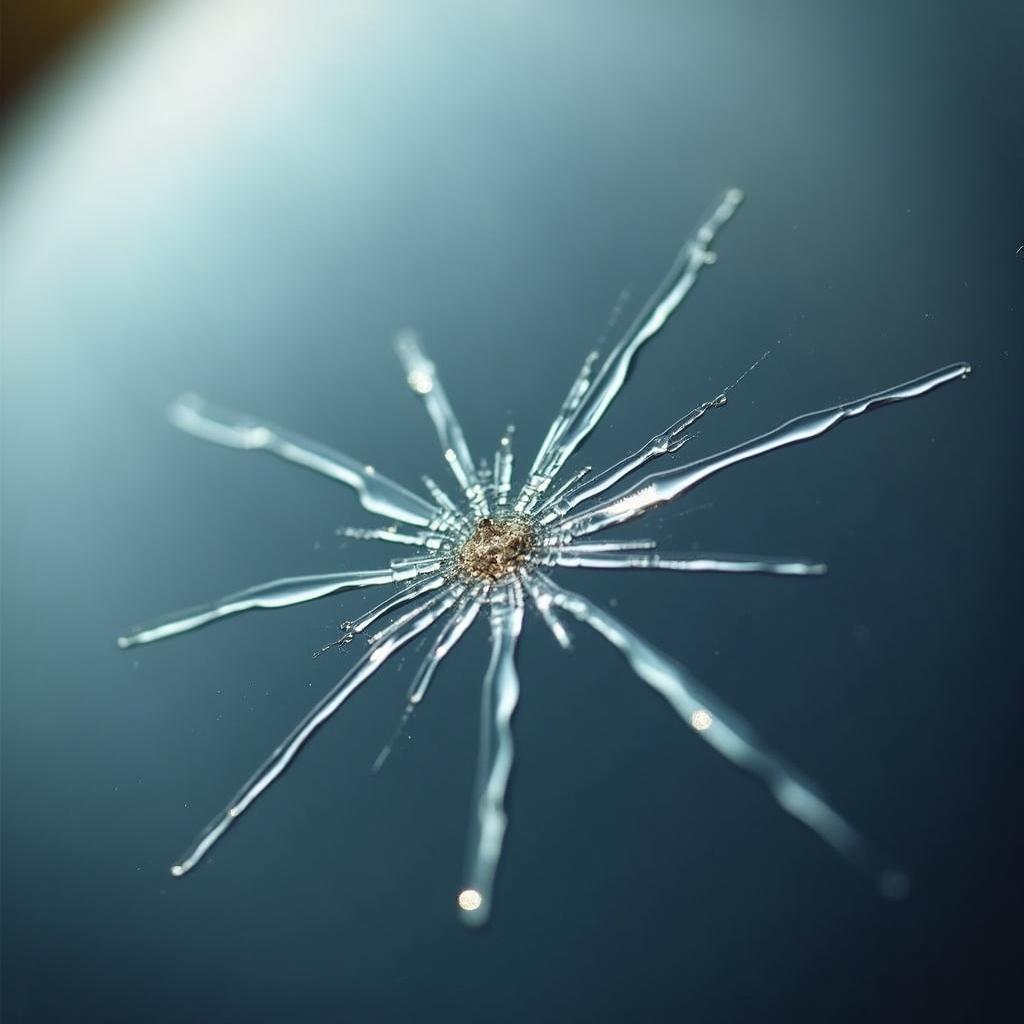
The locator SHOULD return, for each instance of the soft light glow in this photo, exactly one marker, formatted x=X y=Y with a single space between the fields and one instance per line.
x=701 y=720
x=470 y=899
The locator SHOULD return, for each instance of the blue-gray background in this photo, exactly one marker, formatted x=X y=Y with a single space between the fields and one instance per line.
x=247 y=200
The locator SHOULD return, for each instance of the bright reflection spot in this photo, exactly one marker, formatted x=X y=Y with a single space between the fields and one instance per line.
x=470 y=899
x=701 y=720
x=420 y=382
x=638 y=499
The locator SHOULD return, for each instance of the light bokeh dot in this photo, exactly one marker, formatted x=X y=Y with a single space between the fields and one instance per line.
x=420 y=382
x=701 y=720
x=470 y=899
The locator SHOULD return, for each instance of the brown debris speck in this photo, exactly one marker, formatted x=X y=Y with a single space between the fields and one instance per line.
x=496 y=548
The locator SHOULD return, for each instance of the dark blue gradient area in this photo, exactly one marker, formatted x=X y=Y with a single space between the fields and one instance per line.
x=248 y=200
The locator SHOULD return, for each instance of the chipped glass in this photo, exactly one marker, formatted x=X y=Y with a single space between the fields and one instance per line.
x=487 y=548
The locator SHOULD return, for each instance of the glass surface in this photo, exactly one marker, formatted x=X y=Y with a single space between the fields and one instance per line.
x=248 y=202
